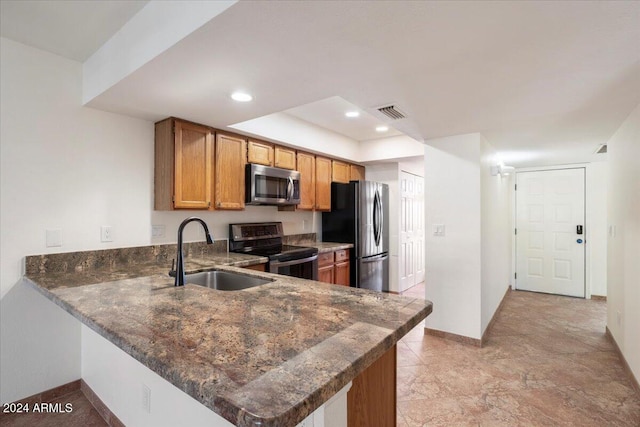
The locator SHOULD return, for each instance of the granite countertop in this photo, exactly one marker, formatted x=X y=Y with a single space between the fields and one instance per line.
x=327 y=246
x=266 y=356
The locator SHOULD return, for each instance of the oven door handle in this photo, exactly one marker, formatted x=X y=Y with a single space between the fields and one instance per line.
x=277 y=264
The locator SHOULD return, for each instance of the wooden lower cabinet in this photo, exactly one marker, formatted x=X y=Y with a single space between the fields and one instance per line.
x=333 y=267
x=257 y=267
x=325 y=267
x=341 y=274
x=371 y=402
x=325 y=274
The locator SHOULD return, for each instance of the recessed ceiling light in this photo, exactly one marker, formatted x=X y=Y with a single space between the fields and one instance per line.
x=241 y=97
x=352 y=114
x=382 y=128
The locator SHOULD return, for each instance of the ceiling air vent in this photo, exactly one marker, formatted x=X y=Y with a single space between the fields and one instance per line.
x=392 y=112
x=602 y=149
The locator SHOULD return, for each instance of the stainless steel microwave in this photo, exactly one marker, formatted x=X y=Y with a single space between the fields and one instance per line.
x=271 y=186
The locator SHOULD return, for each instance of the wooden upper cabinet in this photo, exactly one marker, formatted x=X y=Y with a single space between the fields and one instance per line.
x=356 y=173
x=323 y=184
x=231 y=155
x=284 y=158
x=260 y=153
x=340 y=172
x=183 y=166
x=306 y=165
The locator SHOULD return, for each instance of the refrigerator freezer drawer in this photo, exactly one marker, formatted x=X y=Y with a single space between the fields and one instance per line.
x=373 y=273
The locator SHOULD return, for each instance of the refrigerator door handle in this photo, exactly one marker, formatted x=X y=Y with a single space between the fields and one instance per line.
x=375 y=259
x=376 y=218
x=380 y=218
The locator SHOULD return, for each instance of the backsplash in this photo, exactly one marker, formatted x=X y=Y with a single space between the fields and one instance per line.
x=112 y=258
x=296 y=239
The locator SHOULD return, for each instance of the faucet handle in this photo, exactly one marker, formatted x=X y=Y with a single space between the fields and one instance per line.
x=172 y=272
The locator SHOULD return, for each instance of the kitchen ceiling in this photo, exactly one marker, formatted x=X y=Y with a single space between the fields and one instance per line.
x=545 y=82
x=330 y=114
x=73 y=29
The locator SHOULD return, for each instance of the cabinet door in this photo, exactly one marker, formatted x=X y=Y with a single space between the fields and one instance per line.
x=325 y=274
x=340 y=172
x=356 y=173
x=193 y=166
x=230 y=163
x=342 y=274
x=260 y=153
x=307 y=168
x=285 y=158
x=323 y=184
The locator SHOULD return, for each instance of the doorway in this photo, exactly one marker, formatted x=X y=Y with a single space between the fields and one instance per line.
x=550 y=232
x=411 y=259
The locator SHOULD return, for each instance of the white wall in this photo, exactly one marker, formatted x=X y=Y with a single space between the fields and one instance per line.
x=68 y=167
x=392 y=148
x=119 y=380
x=453 y=261
x=218 y=222
x=597 y=232
x=623 y=276
x=496 y=235
x=414 y=166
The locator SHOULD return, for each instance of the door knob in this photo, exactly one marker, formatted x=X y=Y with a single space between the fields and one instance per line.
x=579 y=240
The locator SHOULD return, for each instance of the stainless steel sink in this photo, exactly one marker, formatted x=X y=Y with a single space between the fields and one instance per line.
x=224 y=280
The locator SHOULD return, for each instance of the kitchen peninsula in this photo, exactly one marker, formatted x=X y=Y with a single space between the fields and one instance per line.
x=265 y=356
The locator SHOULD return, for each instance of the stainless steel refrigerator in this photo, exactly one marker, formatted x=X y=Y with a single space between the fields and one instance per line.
x=359 y=215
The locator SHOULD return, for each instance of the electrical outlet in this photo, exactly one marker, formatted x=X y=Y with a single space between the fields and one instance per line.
x=146 y=398
x=54 y=238
x=438 y=229
x=106 y=233
x=157 y=231
x=619 y=318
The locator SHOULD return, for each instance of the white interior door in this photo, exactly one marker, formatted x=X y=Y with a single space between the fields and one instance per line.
x=407 y=212
x=550 y=252
x=411 y=259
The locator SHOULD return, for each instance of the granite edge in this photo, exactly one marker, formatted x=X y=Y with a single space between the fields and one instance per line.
x=228 y=409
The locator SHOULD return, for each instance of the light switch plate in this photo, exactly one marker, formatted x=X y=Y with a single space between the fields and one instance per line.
x=438 y=230
x=106 y=233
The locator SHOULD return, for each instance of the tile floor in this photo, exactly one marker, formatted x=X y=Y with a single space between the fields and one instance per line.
x=547 y=362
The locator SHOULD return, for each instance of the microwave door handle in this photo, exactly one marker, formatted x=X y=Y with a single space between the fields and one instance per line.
x=289 y=188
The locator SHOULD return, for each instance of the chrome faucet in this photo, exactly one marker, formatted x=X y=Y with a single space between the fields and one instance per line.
x=179 y=271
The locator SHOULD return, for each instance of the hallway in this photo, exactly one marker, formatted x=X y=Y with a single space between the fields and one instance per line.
x=547 y=362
